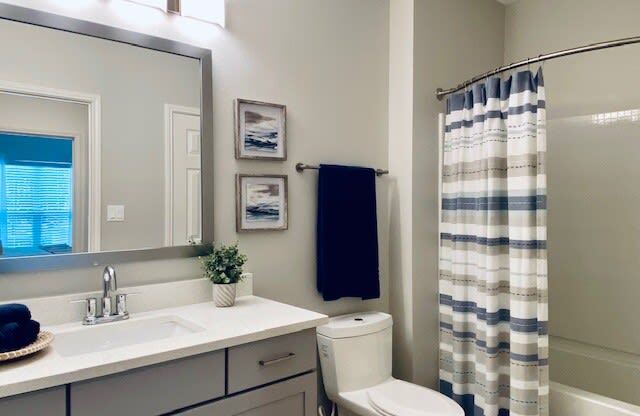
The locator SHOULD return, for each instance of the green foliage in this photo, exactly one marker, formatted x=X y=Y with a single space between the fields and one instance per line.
x=223 y=265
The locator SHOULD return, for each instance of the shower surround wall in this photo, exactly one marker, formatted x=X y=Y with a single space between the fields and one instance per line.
x=593 y=201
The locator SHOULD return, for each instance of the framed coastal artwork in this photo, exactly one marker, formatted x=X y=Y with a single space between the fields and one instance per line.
x=260 y=130
x=261 y=202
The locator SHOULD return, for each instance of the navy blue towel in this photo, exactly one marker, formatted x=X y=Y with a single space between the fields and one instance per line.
x=14 y=312
x=347 y=233
x=14 y=335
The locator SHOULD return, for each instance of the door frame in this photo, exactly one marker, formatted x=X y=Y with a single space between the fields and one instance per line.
x=93 y=103
x=169 y=111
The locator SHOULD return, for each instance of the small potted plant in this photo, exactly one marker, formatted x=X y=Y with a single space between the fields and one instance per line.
x=223 y=266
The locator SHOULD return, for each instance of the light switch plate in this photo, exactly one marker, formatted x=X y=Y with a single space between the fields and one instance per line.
x=115 y=213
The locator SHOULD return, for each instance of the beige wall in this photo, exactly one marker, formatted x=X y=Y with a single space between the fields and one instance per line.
x=328 y=62
x=37 y=115
x=448 y=41
x=401 y=81
x=455 y=40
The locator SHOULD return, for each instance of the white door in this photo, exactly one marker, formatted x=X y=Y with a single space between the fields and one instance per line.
x=184 y=224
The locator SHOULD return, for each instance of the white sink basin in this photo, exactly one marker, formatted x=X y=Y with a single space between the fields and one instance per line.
x=105 y=337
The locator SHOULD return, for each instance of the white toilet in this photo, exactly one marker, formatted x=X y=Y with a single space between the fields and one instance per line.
x=355 y=356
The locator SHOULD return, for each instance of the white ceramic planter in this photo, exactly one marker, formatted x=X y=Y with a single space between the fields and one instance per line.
x=224 y=295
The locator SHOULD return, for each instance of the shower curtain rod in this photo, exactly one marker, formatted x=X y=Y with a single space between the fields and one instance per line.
x=440 y=93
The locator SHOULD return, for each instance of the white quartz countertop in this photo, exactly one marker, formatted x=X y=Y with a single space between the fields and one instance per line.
x=251 y=319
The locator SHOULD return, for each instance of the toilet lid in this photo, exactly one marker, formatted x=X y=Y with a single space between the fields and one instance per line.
x=399 y=398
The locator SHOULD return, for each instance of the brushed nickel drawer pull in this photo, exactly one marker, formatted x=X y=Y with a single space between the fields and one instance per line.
x=277 y=360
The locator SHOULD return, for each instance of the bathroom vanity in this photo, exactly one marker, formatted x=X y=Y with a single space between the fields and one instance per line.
x=257 y=358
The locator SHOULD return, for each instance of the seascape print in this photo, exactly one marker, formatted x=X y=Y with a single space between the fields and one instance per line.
x=263 y=202
x=260 y=132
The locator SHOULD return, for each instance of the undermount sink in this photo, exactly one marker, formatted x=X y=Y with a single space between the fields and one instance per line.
x=121 y=334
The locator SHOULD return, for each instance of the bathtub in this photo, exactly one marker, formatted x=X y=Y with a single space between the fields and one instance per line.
x=570 y=401
x=588 y=380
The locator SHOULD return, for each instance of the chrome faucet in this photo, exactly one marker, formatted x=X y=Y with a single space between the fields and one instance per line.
x=109 y=286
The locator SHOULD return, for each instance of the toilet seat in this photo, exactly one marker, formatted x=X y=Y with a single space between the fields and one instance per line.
x=399 y=398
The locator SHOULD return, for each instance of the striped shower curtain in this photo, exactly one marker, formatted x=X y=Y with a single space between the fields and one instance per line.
x=493 y=265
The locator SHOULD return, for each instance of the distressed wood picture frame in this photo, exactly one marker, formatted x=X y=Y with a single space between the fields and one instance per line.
x=261 y=202
x=260 y=130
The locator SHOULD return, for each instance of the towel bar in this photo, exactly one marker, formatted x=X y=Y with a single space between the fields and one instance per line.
x=301 y=167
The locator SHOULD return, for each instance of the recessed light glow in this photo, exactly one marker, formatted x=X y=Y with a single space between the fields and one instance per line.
x=136 y=15
x=158 y=4
x=211 y=11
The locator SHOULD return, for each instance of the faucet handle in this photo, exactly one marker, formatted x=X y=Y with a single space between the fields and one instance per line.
x=92 y=306
x=121 y=302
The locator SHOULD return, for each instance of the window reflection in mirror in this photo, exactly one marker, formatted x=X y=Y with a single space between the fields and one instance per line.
x=36 y=195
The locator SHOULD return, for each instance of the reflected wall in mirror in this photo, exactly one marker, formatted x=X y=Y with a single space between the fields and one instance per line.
x=99 y=144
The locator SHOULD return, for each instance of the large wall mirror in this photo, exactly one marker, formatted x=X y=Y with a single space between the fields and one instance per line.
x=105 y=144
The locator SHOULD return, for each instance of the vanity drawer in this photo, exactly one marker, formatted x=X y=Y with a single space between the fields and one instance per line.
x=152 y=390
x=262 y=362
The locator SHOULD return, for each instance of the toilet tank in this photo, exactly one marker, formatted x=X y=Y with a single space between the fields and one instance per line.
x=355 y=351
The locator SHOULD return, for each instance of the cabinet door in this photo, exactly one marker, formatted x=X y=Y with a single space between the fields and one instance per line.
x=294 y=397
x=154 y=390
x=50 y=402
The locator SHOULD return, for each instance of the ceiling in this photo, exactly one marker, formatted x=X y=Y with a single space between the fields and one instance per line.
x=507 y=2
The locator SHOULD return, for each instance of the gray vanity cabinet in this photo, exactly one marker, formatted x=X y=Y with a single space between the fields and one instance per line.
x=272 y=377
x=294 y=397
x=49 y=402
